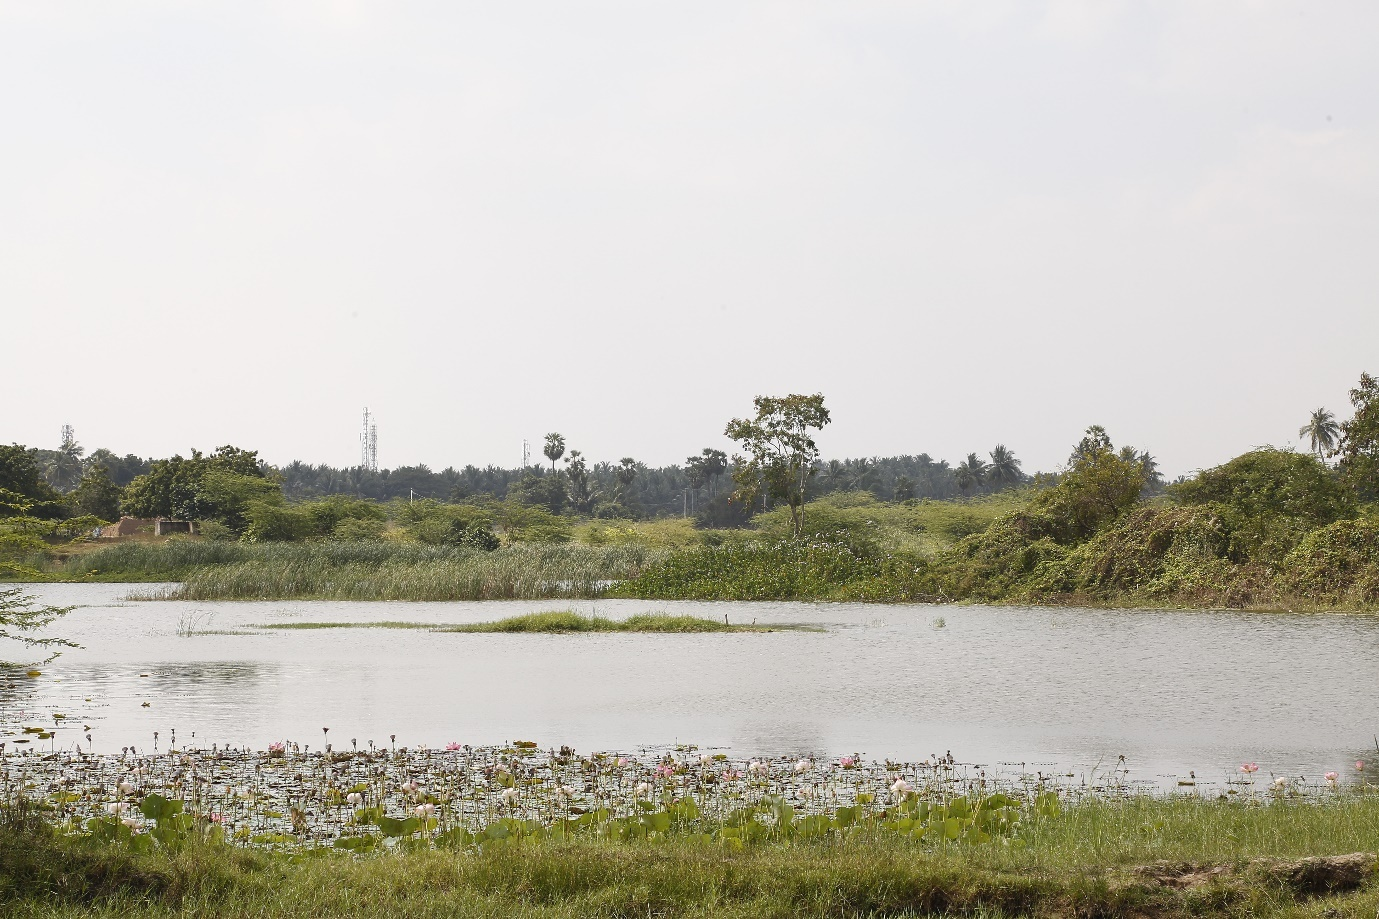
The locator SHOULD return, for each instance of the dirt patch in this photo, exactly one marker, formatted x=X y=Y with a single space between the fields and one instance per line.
x=1325 y=874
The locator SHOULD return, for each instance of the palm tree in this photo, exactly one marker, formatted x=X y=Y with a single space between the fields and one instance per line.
x=970 y=472
x=554 y=449
x=1323 y=431
x=64 y=470
x=1004 y=468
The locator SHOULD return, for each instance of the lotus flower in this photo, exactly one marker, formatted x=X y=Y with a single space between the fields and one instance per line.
x=508 y=795
x=642 y=790
x=116 y=807
x=354 y=799
x=1249 y=768
x=1360 y=764
x=848 y=762
x=125 y=788
x=705 y=759
x=565 y=791
x=1331 y=777
x=452 y=747
x=804 y=765
x=621 y=761
x=1280 y=782
x=756 y=767
x=425 y=811
x=132 y=824
x=900 y=788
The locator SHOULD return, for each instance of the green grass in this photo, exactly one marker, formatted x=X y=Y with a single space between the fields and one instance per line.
x=1089 y=863
x=559 y=622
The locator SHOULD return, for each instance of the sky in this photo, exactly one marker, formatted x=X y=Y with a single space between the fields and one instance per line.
x=964 y=223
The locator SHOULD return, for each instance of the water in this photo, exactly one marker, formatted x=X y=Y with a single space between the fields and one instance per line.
x=1059 y=690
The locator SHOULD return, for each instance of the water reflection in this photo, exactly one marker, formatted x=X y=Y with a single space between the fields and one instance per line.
x=1171 y=691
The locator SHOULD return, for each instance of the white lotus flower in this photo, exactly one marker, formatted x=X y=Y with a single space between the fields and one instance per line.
x=425 y=811
x=354 y=798
x=116 y=808
x=125 y=788
x=643 y=789
x=508 y=795
x=900 y=788
x=804 y=765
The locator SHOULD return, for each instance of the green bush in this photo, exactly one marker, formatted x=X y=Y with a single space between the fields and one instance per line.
x=1338 y=563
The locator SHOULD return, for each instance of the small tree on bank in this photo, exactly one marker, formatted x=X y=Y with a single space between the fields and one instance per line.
x=20 y=616
x=781 y=454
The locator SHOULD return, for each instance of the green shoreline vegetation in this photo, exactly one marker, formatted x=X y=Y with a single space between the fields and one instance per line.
x=1270 y=529
x=1135 y=859
x=559 y=622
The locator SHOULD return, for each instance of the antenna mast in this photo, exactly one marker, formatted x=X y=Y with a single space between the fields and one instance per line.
x=368 y=443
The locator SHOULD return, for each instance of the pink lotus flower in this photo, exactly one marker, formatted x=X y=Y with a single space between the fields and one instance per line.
x=452 y=747
x=1360 y=764
x=276 y=747
x=1331 y=777
x=1249 y=768
x=847 y=762
x=621 y=761
x=665 y=771
x=216 y=818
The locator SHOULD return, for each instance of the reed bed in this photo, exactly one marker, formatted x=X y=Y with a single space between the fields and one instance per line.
x=379 y=572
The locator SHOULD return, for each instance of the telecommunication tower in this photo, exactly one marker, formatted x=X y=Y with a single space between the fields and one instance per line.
x=526 y=453
x=368 y=443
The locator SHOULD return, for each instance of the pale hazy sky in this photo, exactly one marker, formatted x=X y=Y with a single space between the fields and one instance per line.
x=963 y=222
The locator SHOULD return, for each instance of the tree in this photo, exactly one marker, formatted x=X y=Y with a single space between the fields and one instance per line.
x=583 y=495
x=1359 y=445
x=63 y=470
x=20 y=474
x=179 y=488
x=626 y=474
x=970 y=473
x=1095 y=441
x=555 y=448
x=781 y=454
x=705 y=468
x=1322 y=431
x=19 y=616
x=97 y=495
x=1004 y=468
x=904 y=488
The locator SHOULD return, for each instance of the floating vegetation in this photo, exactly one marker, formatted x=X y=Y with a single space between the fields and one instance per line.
x=557 y=622
x=480 y=798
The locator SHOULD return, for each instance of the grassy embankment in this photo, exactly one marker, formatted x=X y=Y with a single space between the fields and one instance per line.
x=1136 y=858
x=556 y=622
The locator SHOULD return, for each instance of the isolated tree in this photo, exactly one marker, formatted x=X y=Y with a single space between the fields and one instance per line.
x=20 y=616
x=63 y=470
x=1004 y=468
x=1093 y=443
x=555 y=448
x=1359 y=444
x=781 y=454
x=97 y=495
x=1322 y=432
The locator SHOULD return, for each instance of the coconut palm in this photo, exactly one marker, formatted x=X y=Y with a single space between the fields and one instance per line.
x=64 y=470
x=970 y=473
x=1322 y=431
x=1004 y=468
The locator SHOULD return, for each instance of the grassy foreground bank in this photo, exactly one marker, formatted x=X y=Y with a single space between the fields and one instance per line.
x=1136 y=858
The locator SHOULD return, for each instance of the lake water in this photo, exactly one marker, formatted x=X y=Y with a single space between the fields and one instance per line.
x=1056 y=689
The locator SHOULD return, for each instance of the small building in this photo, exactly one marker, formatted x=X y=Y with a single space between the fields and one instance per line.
x=142 y=526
